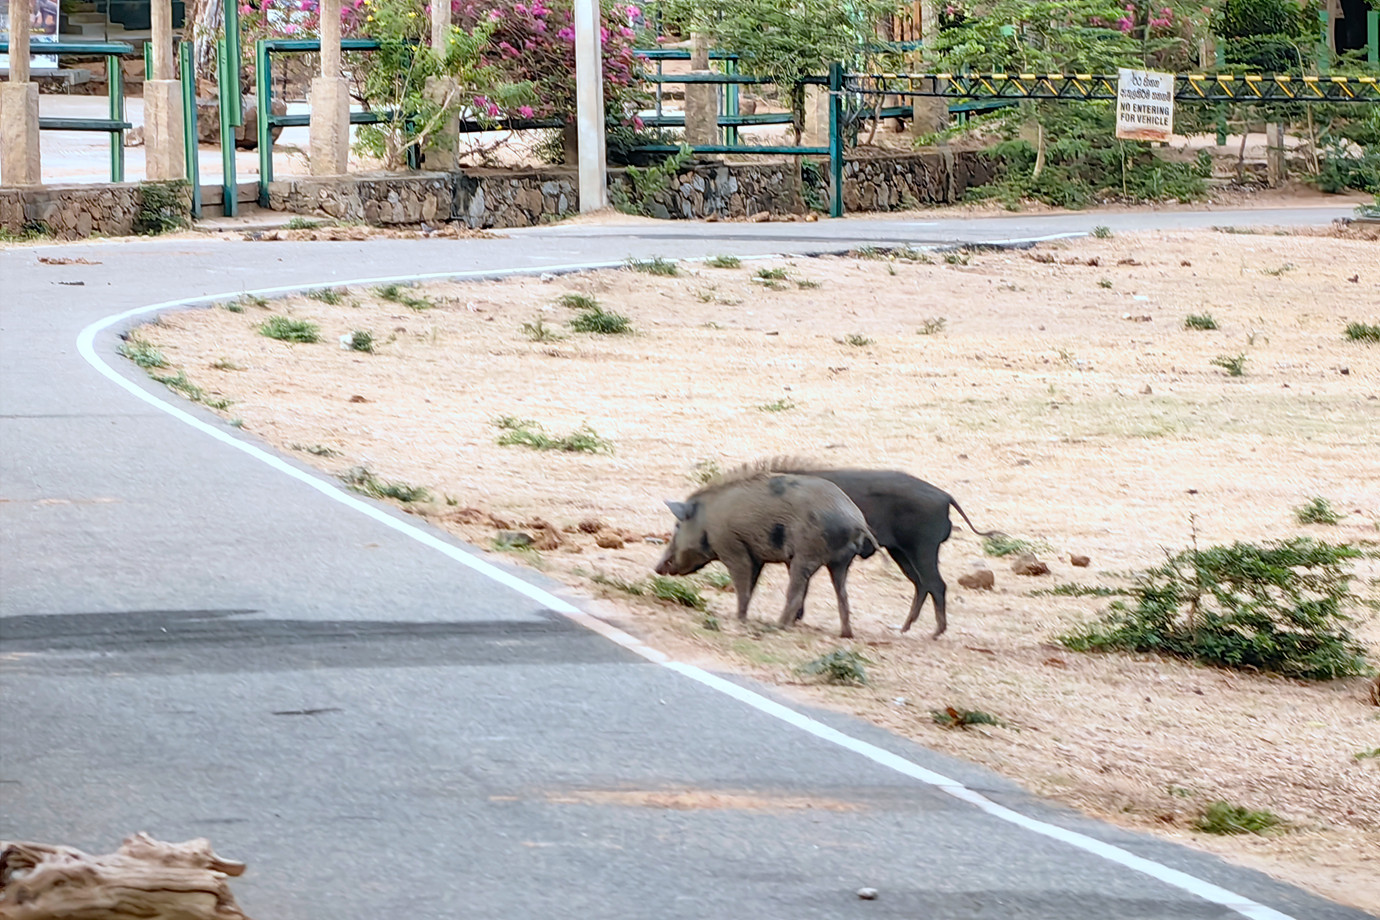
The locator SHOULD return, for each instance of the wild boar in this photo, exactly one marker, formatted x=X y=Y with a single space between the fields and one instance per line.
x=908 y=516
x=748 y=519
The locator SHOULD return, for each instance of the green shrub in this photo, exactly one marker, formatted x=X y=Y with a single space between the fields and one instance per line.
x=1234 y=365
x=654 y=266
x=1318 y=511
x=1224 y=818
x=676 y=590
x=286 y=329
x=1003 y=545
x=724 y=262
x=1200 y=321
x=1360 y=332
x=1279 y=608
x=163 y=206
x=361 y=479
x=524 y=432
x=142 y=352
x=841 y=666
x=601 y=322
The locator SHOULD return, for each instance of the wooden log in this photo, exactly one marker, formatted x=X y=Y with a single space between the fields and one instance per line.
x=145 y=878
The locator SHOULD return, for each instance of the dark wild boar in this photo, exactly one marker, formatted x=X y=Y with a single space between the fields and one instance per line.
x=753 y=517
x=908 y=516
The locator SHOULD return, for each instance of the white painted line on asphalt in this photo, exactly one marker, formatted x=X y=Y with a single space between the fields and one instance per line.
x=1173 y=877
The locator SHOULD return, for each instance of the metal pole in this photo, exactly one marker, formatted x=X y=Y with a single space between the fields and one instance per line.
x=1373 y=37
x=115 y=89
x=232 y=48
x=190 y=134
x=589 y=106
x=228 y=74
x=263 y=102
x=836 y=140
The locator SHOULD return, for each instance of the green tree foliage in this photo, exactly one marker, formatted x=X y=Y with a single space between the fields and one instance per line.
x=395 y=79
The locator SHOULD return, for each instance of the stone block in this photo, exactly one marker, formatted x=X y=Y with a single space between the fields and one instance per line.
x=19 y=156
x=330 y=126
x=164 y=150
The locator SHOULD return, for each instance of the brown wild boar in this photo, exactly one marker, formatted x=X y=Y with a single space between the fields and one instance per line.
x=752 y=517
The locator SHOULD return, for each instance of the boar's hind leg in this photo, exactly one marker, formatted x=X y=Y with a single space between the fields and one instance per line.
x=795 y=592
x=922 y=568
x=744 y=568
x=838 y=572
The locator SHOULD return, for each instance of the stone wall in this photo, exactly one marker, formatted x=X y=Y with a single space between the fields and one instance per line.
x=71 y=212
x=498 y=198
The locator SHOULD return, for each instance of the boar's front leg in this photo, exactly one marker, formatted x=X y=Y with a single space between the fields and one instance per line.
x=838 y=572
x=744 y=568
x=796 y=588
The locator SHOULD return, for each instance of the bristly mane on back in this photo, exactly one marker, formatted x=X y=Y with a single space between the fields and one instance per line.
x=757 y=469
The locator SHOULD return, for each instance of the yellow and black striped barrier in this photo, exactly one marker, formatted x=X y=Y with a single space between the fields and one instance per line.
x=1082 y=86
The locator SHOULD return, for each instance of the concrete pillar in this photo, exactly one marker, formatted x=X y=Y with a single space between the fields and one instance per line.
x=930 y=114
x=816 y=117
x=701 y=99
x=165 y=155
x=589 y=107
x=329 y=129
x=1275 y=166
x=443 y=147
x=19 y=157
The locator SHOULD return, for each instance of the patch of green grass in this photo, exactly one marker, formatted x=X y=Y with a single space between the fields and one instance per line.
x=807 y=284
x=1361 y=332
x=1002 y=545
x=32 y=230
x=1076 y=590
x=601 y=322
x=869 y=252
x=362 y=340
x=654 y=266
x=332 y=296
x=932 y=326
x=361 y=479
x=513 y=542
x=771 y=274
x=841 y=666
x=287 y=329
x=711 y=623
x=1283 y=269
x=578 y=301
x=1363 y=755
x=724 y=262
x=1318 y=511
x=784 y=404
x=253 y=300
x=1104 y=283
x=316 y=450
x=949 y=717
x=956 y=258
x=634 y=588
x=142 y=352
x=399 y=294
x=1234 y=365
x=303 y=223
x=1102 y=232
x=233 y=306
x=857 y=341
x=717 y=578
x=1225 y=818
x=676 y=590
x=1201 y=321
x=705 y=471
x=524 y=432
x=181 y=384
x=219 y=403
x=540 y=332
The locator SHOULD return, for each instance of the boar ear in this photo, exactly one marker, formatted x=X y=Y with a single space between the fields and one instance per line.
x=682 y=510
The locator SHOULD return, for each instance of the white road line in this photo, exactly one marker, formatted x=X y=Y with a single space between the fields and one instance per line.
x=1173 y=877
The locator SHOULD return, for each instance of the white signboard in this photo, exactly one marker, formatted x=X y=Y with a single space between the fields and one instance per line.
x=1144 y=105
x=44 y=21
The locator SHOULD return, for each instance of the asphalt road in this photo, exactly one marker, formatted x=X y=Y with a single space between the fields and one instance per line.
x=199 y=637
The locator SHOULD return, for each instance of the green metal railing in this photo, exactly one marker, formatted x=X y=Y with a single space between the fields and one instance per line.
x=115 y=125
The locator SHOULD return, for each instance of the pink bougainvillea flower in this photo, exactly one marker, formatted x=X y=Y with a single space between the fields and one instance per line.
x=567 y=34
x=525 y=111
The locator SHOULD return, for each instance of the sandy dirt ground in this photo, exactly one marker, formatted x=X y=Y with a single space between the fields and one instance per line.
x=1056 y=392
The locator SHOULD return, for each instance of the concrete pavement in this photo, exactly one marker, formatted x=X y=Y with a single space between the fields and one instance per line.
x=201 y=638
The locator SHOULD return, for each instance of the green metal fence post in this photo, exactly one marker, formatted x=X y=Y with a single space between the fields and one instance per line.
x=731 y=102
x=836 y=140
x=1324 y=46
x=190 y=135
x=1373 y=37
x=115 y=88
x=148 y=60
x=263 y=102
x=232 y=43
x=228 y=86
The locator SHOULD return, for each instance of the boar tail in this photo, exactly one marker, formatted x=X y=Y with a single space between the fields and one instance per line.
x=980 y=533
x=867 y=545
